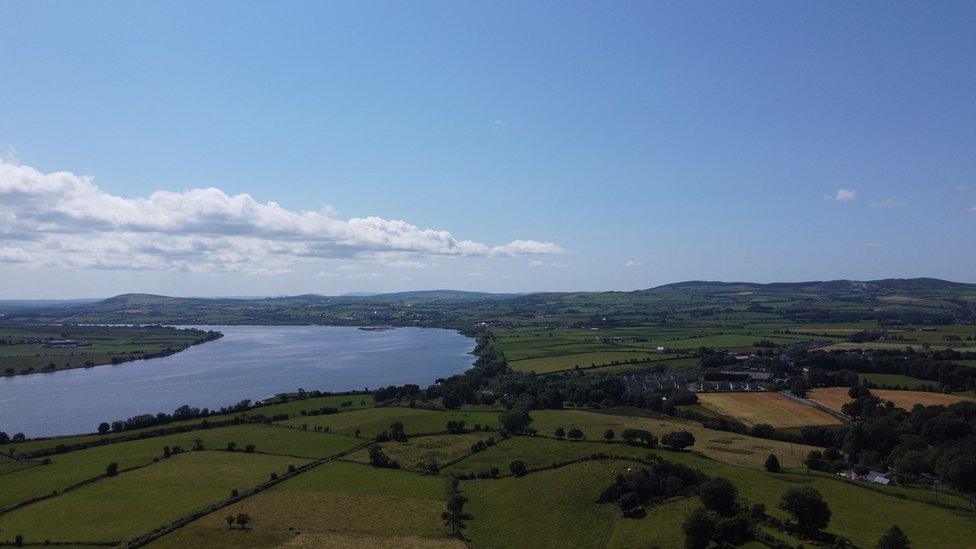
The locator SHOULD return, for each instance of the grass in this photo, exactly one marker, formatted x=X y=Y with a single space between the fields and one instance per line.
x=67 y=469
x=292 y=408
x=555 y=508
x=336 y=504
x=23 y=350
x=731 y=448
x=770 y=408
x=538 y=452
x=896 y=379
x=372 y=421
x=835 y=397
x=140 y=501
x=413 y=452
x=583 y=360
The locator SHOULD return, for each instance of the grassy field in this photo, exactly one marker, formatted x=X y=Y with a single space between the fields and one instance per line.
x=538 y=452
x=142 y=500
x=67 y=469
x=441 y=448
x=333 y=505
x=896 y=379
x=521 y=512
x=770 y=408
x=26 y=349
x=835 y=397
x=373 y=421
x=292 y=408
x=727 y=447
x=548 y=364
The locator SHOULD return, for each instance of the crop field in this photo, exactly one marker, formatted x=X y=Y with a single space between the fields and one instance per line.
x=441 y=448
x=372 y=421
x=730 y=448
x=769 y=408
x=338 y=504
x=27 y=350
x=835 y=397
x=139 y=501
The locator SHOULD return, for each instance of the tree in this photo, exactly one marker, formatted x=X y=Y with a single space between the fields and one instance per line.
x=397 y=432
x=112 y=469
x=678 y=440
x=515 y=420
x=894 y=538
x=231 y=446
x=807 y=507
x=455 y=515
x=378 y=459
x=719 y=494
x=574 y=434
x=104 y=428
x=609 y=435
x=455 y=427
x=242 y=520
x=772 y=464
x=815 y=460
x=19 y=437
x=698 y=529
x=639 y=436
x=559 y=432
x=229 y=519
x=4 y=438
x=517 y=468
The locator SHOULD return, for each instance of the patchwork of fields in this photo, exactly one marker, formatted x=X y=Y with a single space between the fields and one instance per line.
x=348 y=503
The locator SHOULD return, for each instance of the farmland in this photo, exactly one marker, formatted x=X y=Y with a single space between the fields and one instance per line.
x=27 y=350
x=769 y=408
x=835 y=397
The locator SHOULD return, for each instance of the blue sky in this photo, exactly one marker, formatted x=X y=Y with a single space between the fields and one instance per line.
x=631 y=144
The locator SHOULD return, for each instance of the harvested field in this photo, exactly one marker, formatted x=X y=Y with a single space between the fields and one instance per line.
x=770 y=408
x=835 y=397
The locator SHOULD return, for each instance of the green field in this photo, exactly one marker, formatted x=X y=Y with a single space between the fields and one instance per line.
x=411 y=454
x=337 y=504
x=25 y=350
x=67 y=469
x=891 y=380
x=139 y=501
x=372 y=421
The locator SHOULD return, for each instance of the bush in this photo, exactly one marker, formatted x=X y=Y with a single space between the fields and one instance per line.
x=517 y=468
x=807 y=507
x=718 y=495
x=772 y=464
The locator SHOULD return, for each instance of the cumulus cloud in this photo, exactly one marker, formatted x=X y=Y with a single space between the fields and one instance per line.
x=632 y=263
x=973 y=209
x=887 y=203
x=475 y=274
x=62 y=220
x=843 y=195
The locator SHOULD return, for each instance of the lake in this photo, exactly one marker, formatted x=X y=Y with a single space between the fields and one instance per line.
x=249 y=362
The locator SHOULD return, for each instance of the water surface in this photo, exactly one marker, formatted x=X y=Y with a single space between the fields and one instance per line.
x=249 y=362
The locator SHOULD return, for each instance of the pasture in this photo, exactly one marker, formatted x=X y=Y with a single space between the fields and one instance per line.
x=372 y=421
x=411 y=454
x=835 y=397
x=769 y=408
x=728 y=447
x=67 y=469
x=332 y=505
x=136 y=502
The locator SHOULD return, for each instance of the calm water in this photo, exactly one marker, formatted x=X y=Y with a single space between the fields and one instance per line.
x=252 y=362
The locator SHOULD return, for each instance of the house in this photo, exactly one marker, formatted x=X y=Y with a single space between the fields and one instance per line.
x=662 y=349
x=877 y=477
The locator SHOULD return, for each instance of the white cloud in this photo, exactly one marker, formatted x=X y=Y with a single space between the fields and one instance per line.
x=498 y=125
x=364 y=276
x=405 y=264
x=973 y=209
x=632 y=263
x=326 y=274
x=843 y=195
x=887 y=203
x=535 y=263
x=872 y=245
x=475 y=275
x=64 y=221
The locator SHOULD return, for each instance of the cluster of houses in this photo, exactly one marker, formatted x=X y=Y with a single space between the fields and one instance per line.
x=694 y=383
x=64 y=344
x=876 y=477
